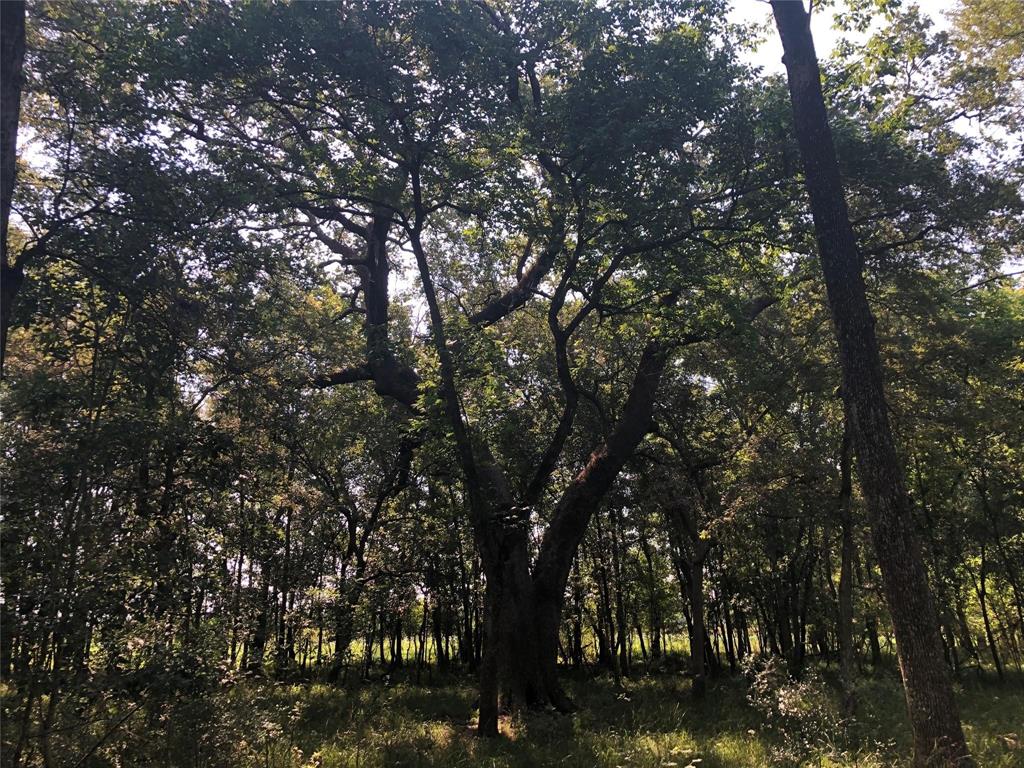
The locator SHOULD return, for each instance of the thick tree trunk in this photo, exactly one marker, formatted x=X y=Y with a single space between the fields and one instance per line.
x=511 y=676
x=12 y=57
x=578 y=503
x=510 y=672
x=938 y=737
x=523 y=613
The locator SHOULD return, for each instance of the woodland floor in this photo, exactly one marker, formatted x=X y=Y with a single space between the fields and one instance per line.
x=650 y=721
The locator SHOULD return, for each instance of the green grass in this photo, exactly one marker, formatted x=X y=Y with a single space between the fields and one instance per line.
x=649 y=722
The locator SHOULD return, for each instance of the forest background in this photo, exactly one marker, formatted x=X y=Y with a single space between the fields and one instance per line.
x=380 y=373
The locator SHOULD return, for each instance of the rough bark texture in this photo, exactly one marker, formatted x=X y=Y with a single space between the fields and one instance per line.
x=938 y=737
x=523 y=610
x=578 y=503
x=12 y=56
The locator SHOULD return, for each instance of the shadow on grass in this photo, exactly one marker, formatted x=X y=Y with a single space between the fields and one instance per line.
x=650 y=721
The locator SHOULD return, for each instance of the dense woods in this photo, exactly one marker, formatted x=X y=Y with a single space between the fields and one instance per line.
x=538 y=348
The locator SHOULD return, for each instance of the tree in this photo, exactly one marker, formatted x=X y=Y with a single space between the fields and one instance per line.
x=410 y=186
x=933 y=711
x=989 y=34
x=12 y=57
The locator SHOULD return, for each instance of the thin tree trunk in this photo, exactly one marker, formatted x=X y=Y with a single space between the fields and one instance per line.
x=236 y=601
x=698 y=636
x=258 y=643
x=727 y=634
x=965 y=630
x=983 y=600
x=934 y=718
x=620 y=605
x=282 y=655
x=991 y=512
x=845 y=629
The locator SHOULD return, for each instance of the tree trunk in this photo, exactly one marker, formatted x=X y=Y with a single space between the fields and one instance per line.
x=620 y=605
x=438 y=627
x=12 y=57
x=990 y=637
x=577 y=616
x=258 y=641
x=654 y=608
x=1009 y=569
x=579 y=501
x=938 y=737
x=698 y=635
x=845 y=629
x=283 y=655
x=511 y=675
x=523 y=614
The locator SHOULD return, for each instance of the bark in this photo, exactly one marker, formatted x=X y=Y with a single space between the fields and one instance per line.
x=500 y=529
x=438 y=626
x=523 y=610
x=698 y=635
x=980 y=588
x=805 y=604
x=390 y=377
x=284 y=655
x=603 y=626
x=654 y=607
x=577 y=616
x=620 y=606
x=12 y=57
x=845 y=628
x=727 y=634
x=965 y=630
x=577 y=504
x=527 y=284
x=683 y=528
x=871 y=628
x=511 y=639
x=992 y=512
x=258 y=640
x=938 y=736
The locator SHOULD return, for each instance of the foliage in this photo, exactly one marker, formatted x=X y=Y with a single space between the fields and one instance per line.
x=236 y=489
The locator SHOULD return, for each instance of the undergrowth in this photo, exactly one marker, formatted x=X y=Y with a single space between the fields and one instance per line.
x=762 y=719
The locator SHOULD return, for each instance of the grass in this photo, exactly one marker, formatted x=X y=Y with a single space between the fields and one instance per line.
x=648 y=722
